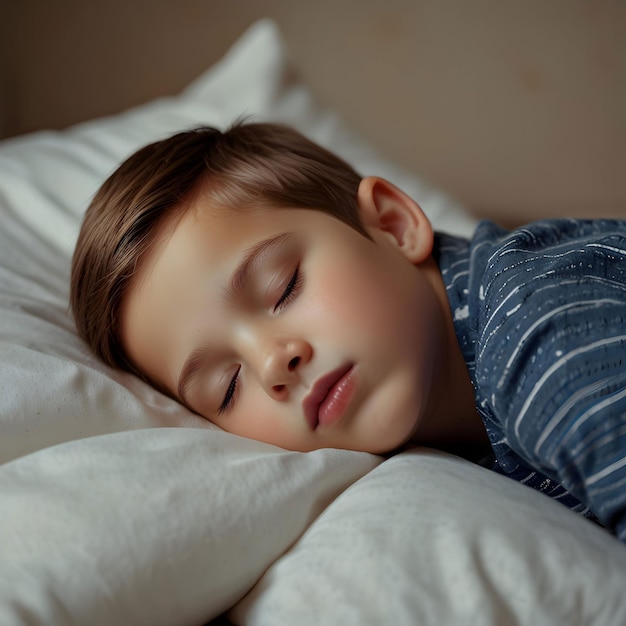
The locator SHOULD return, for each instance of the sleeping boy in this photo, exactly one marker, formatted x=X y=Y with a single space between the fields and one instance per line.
x=260 y=281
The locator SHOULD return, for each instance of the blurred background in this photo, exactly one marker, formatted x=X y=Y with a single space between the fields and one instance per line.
x=515 y=107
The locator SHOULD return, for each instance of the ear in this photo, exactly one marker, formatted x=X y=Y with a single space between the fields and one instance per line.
x=387 y=209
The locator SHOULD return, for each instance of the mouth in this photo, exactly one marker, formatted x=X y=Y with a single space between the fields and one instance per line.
x=329 y=397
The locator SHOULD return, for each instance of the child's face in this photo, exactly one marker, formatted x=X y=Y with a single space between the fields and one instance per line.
x=288 y=326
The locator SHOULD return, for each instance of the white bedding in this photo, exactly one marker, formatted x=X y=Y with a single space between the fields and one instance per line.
x=118 y=506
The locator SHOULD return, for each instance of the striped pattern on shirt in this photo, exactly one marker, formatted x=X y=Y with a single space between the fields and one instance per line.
x=540 y=314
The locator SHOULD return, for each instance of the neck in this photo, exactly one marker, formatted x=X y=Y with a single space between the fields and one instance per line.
x=451 y=421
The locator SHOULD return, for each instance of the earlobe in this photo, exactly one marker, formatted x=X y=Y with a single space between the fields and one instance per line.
x=389 y=210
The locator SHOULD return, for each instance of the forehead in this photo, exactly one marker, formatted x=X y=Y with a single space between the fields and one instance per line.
x=191 y=251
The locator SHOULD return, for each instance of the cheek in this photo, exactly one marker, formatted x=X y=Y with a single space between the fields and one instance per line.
x=271 y=424
x=253 y=418
x=363 y=298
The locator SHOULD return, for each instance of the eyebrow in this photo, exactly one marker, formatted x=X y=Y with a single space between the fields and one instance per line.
x=236 y=285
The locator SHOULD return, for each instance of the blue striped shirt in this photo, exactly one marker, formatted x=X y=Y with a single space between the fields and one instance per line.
x=540 y=315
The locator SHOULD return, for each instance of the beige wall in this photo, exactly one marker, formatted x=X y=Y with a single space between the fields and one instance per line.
x=515 y=106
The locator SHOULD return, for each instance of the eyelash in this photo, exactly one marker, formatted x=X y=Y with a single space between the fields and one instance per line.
x=229 y=398
x=291 y=290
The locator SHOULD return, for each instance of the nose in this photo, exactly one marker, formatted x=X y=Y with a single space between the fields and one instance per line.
x=280 y=364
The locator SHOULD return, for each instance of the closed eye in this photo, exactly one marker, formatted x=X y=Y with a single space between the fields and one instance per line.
x=229 y=398
x=290 y=291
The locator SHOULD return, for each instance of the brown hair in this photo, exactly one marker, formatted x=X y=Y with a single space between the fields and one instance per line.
x=248 y=165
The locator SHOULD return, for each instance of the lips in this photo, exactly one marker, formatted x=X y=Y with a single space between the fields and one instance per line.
x=329 y=397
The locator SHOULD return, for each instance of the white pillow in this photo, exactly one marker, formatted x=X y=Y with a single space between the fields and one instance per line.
x=156 y=527
x=433 y=540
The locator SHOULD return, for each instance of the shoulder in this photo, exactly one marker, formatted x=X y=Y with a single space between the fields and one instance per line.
x=551 y=316
x=547 y=233
x=552 y=257
x=553 y=243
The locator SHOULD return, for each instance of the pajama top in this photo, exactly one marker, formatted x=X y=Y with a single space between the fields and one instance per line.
x=540 y=315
